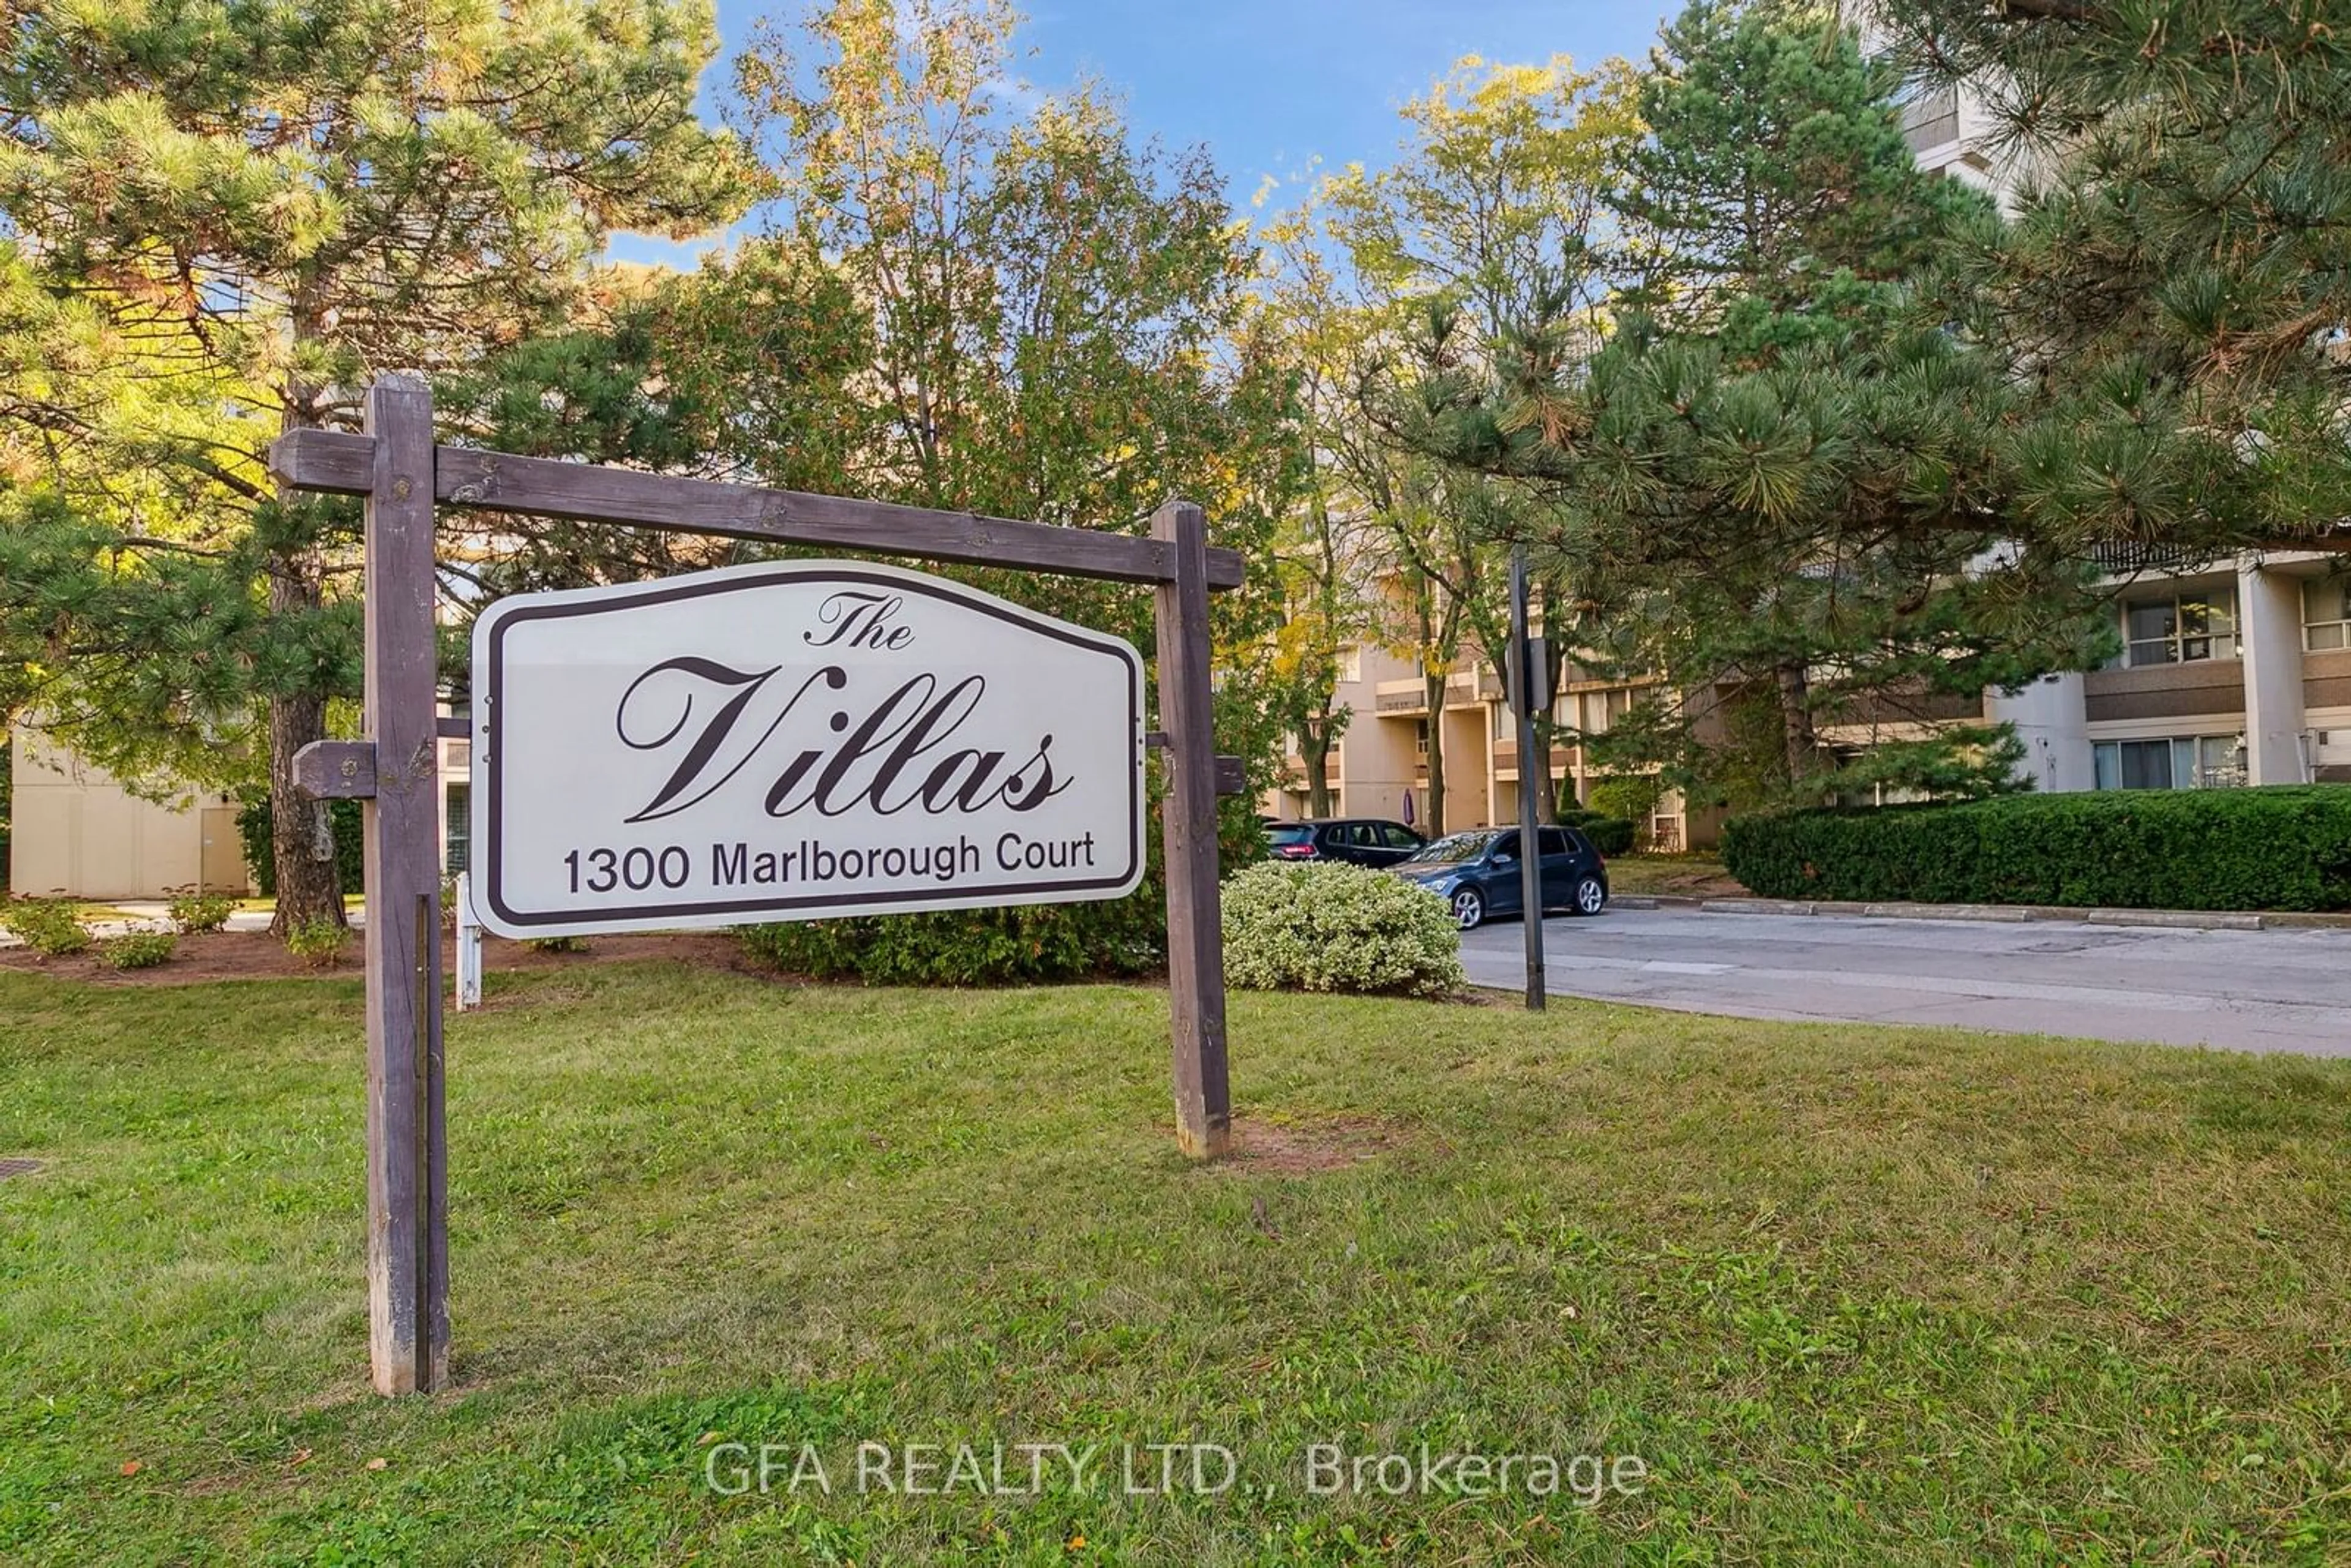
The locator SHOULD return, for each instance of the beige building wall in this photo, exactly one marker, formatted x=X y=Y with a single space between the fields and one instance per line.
x=75 y=831
x=1380 y=760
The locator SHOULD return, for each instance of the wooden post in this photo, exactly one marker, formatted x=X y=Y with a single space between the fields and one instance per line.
x=407 y=1166
x=1196 y=938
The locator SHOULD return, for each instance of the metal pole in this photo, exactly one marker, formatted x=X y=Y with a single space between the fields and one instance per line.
x=469 y=946
x=1534 y=773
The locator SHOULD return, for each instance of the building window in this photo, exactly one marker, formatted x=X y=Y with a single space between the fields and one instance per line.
x=2176 y=762
x=1420 y=739
x=1351 y=663
x=1505 y=724
x=454 y=857
x=1931 y=118
x=1602 y=709
x=2326 y=615
x=2181 y=628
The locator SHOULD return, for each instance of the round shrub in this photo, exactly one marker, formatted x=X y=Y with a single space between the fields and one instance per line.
x=1336 y=927
x=138 y=950
x=319 y=943
x=49 y=926
x=196 y=912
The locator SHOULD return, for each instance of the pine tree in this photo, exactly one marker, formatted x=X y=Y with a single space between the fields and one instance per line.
x=1772 y=168
x=266 y=205
x=1776 y=484
x=2177 y=281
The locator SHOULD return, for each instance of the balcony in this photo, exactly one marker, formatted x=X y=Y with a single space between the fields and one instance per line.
x=1401 y=699
x=2125 y=557
x=1506 y=758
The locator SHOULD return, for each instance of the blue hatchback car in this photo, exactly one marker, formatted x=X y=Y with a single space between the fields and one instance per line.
x=1479 y=872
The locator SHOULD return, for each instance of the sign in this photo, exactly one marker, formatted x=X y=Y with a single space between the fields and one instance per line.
x=576 y=770
x=795 y=741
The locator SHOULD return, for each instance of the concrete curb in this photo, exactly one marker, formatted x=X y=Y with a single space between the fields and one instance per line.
x=2002 y=913
x=2191 y=920
x=2015 y=913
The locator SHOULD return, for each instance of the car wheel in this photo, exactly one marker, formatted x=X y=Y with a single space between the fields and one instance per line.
x=1469 y=907
x=1590 y=897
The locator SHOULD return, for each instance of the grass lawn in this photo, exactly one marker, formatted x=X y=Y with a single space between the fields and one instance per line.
x=1698 y=875
x=1853 y=1295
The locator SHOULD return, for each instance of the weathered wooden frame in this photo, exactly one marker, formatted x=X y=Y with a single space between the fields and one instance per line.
x=393 y=771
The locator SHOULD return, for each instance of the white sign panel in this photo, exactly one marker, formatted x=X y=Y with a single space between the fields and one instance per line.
x=794 y=741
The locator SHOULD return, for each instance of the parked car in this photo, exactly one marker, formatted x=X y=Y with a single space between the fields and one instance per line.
x=1479 y=872
x=1363 y=840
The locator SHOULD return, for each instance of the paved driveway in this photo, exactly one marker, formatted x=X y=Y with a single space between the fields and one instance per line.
x=2242 y=990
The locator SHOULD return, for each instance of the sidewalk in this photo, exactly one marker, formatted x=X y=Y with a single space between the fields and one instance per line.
x=156 y=915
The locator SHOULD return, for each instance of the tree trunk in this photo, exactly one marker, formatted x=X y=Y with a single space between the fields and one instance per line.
x=1803 y=743
x=302 y=831
x=1546 y=798
x=1314 y=748
x=1433 y=685
x=302 y=838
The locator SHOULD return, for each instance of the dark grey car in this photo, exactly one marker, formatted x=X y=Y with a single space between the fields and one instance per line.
x=1479 y=873
x=1361 y=841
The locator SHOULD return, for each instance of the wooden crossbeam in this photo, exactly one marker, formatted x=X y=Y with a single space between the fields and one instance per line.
x=1232 y=773
x=339 y=463
x=336 y=771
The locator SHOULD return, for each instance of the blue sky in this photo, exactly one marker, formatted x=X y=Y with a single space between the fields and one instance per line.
x=1270 y=85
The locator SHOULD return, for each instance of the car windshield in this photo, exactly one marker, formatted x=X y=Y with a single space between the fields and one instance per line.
x=1289 y=833
x=1454 y=850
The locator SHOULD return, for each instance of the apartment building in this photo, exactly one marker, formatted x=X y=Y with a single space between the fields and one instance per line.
x=1379 y=767
x=2233 y=672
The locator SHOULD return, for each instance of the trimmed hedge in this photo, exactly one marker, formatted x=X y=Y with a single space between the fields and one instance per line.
x=1020 y=945
x=2282 y=847
x=1609 y=835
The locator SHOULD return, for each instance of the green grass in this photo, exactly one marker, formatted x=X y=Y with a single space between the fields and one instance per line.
x=1854 y=1295
x=1691 y=874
